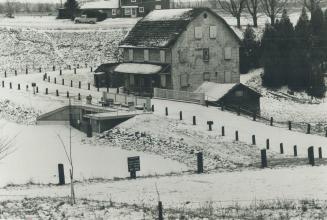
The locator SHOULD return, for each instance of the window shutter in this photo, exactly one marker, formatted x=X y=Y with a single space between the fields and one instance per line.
x=206 y=54
x=162 y=56
x=213 y=32
x=198 y=32
x=146 y=55
x=228 y=53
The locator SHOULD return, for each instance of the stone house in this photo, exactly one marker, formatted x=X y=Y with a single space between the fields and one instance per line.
x=179 y=49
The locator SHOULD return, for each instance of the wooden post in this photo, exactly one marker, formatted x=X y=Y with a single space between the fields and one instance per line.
x=57 y=92
x=166 y=111
x=40 y=69
x=55 y=80
x=91 y=69
x=5 y=74
x=194 y=120
x=271 y=121
x=98 y=89
x=253 y=140
x=79 y=84
x=37 y=89
x=326 y=133
x=264 y=158
x=26 y=71
x=88 y=130
x=78 y=66
x=74 y=70
x=267 y=144
x=67 y=94
x=295 y=150
x=289 y=125
x=311 y=156
x=46 y=91
x=199 y=157
x=69 y=67
x=61 y=173
x=53 y=68
x=236 y=135
x=210 y=123
x=71 y=83
x=60 y=72
x=180 y=115
x=10 y=85
x=222 y=131
x=48 y=78
x=320 y=152
x=160 y=212
x=152 y=108
x=254 y=115
x=18 y=86
x=88 y=86
x=15 y=72
x=308 y=129
x=3 y=84
x=281 y=148
x=63 y=81
x=26 y=87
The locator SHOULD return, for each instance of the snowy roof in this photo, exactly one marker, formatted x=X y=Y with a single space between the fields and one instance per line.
x=101 y=4
x=138 y=68
x=215 y=91
x=161 y=28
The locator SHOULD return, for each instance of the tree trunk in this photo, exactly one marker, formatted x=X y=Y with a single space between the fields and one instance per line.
x=255 y=20
x=238 y=17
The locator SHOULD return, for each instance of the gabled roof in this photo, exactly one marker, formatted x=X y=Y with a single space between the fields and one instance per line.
x=161 y=28
x=104 y=4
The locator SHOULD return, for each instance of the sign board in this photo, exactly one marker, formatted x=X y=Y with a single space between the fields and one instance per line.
x=133 y=164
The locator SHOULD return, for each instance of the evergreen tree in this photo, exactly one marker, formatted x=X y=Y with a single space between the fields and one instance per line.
x=285 y=43
x=72 y=7
x=300 y=54
x=249 y=54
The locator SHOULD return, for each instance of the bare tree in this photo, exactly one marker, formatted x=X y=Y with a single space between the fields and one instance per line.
x=311 y=5
x=272 y=8
x=252 y=7
x=233 y=7
x=10 y=8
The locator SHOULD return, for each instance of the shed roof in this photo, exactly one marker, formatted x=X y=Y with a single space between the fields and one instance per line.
x=104 y=4
x=161 y=28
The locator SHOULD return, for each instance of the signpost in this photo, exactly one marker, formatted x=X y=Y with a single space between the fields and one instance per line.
x=133 y=165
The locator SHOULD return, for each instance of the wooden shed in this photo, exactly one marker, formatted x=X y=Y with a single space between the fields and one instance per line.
x=232 y=95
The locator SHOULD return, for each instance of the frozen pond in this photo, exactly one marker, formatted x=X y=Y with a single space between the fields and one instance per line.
x=38 y=151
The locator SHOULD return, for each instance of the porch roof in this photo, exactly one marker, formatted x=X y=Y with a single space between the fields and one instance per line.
x=139 y=68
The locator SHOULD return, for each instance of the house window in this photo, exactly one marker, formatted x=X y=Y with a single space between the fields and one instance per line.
x=127 y=11
x=184 y=80
x=141 y=9
x=206 y=76
x=130 y=55
x=198 y=32
x=206 y=54
x=205 y=15
x=162 y=56
x=228 y=53
x=157 y=7
x=239 y=93
x=182 y=53
x=114 y=12
x=213 y=32
x=146 y=55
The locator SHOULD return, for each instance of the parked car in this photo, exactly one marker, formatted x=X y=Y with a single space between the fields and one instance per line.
x=85 y=20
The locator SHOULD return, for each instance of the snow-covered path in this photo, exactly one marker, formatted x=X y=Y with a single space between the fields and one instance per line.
x=222 y=188
x=245 y=126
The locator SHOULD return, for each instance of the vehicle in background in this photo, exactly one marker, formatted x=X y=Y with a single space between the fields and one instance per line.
x=85 y=20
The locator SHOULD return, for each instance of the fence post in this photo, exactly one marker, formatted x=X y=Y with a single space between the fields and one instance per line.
x=79 y=84
x=54 y=68
x=88 y=86
x=37 y=89
x=74 y=70
x=281 y=148
x=180 y=115
x=63 y=81
x=3 y=83
x=48 y=78
x=98 y=89
x=18 y=86
x=152 y=108
x=311 y=156
x=60 y=72
x=320 y=152
x=160 y=212
x=67 y=94
x=5 y=74
x=40 y=69
x=57 y=92
x=267 y=144
x=254 y=115
x=91 y=69
x=308 y=129
x=253 y=140
x=26 y=71
x=271 y=121
x=10 y=85
x=71 y=83
x=236 y=135
x=26 y=87
x=199 y=157
x=194 y=120
x=78 y=66
x=166 y=111
x=264 y=158
x=222 y=131
x=295 y=150
x=326 y=133
x=289 y=125
x=79 y=96
x=61 y=174
x=55 y=80
x=46 y=91
x=210 y=123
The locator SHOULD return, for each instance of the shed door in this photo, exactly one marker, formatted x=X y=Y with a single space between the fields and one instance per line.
x=227 y=76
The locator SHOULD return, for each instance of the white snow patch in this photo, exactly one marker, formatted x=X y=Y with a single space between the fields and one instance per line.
x=138 y=68
x=168 y=14
x=214 y=91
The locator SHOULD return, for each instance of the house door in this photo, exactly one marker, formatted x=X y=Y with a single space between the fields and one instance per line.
x=134 y=12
